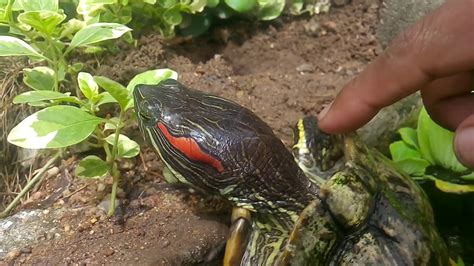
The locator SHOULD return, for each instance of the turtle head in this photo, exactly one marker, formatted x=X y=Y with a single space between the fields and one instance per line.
x=316 y=152
x=219 y=147
x=170 y=118
x=158 y=104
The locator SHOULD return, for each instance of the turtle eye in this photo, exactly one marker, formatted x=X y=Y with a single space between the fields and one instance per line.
x=147 y=111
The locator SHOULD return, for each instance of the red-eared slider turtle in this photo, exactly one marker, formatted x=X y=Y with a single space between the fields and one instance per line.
x=334 y=202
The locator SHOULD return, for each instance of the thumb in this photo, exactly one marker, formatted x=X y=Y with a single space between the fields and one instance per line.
x=464 y=142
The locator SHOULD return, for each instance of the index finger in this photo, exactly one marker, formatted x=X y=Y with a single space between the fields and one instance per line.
x=439 y=45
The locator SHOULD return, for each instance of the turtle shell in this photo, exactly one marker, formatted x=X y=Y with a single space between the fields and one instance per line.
x=368 y=212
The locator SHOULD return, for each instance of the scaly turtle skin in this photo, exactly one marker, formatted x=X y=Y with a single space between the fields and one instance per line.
x=334 y=202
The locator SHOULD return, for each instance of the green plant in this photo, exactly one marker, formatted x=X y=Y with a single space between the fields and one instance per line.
x=40 y=31
x=61 y=126
x=193 y=17
x=48 y=37
x=298 y=7
x=426 y=153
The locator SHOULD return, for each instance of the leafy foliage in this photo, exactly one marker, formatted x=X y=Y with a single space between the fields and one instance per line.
x=61 y=126
x=426 y=153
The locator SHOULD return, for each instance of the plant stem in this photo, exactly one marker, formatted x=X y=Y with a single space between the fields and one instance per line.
x=113 y=167
x=55 y=63
x=30 y=185
x=113 y=194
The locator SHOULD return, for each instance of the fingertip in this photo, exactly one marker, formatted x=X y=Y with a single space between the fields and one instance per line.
x=345 y=114
x=464 y=142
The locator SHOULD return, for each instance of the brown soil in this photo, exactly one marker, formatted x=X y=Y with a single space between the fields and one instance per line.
x=281 y=71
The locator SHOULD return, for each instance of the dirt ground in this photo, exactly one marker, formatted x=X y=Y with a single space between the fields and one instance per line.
x=281 y=71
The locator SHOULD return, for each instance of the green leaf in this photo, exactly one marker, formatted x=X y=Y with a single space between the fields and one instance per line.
x=117 y=90
x=76 y=67
x=43 y=21
x=195 y=25
x=197 y=5
x=413 y=166
x=104 y=98
x=90 y=7
x=409 y=136
x=173 y=16
x=39 y=96
x=87 y=84
x=242 y=6
x=62 y=68
x=296 y=7
x=54 y=127
x=71 y=27
x=436 y=144
x=469 y=176
x=11 y=46
x=167 y=3
x=39 y=78
x=91 y=167
x=453 y=188
x=224 y=12
x=401 y=151
x=97 y=32
x=460 y=262
x=94 y=50
x=212 y=3
x=151 y=77
x=111 y=124
x=38 y=5
x=270 y=9
x=127 y=148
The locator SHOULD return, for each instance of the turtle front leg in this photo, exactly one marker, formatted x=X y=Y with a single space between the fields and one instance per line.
x=239 y=233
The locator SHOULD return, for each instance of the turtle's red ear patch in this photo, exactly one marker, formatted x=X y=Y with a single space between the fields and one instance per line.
x=190 y=148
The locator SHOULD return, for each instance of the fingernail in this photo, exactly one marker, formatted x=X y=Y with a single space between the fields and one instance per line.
x=464 y=146
x=325 y=110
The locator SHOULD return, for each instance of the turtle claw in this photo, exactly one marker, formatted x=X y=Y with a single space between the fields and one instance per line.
x=239 y=233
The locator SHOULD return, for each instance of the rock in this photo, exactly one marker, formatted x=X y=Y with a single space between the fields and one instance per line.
x=330 y=26
x=21 y=230
x=396 y=15
x=312 y=28
x=382 y=129
x=109 y=252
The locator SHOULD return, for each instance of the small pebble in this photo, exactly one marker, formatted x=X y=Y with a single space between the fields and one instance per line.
x=101 y=187
x=330 y=26
x=109 y=252
x=165 y=243
x=305 y=68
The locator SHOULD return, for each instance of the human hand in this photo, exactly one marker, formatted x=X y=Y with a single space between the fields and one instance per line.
x=435 y=56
